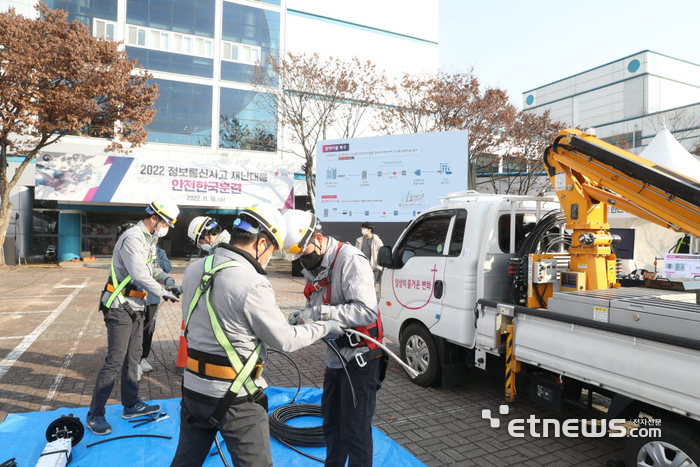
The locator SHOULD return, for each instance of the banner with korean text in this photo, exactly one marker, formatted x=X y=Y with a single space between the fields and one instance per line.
x=219 y=181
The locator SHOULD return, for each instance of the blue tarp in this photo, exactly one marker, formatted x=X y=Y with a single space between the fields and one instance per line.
x=23 y=436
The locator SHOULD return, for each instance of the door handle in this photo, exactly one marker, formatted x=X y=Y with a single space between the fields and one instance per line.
x=438 y=289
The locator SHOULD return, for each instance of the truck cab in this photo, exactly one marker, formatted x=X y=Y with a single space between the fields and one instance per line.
x=445 y=260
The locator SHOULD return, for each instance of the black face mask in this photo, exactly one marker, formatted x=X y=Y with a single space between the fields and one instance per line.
x=312 y=260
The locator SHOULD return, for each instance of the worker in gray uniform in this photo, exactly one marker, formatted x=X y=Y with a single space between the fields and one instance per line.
x=133 y=276
x=207 y=233
x=230 y=316
x=340 y=287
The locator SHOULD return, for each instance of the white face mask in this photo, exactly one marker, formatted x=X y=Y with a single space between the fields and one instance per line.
x=364 y=232
x=205 y=246
x=162 y=232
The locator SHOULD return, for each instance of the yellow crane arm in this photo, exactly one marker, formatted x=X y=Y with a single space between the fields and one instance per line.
x=588 y=174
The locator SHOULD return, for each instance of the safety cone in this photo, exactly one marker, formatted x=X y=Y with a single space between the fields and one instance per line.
x=182 y=349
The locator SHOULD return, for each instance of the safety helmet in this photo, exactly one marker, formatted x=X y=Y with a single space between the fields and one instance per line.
x=166 y=209
x=301 y=226
x=200 y=226
x=268 y=217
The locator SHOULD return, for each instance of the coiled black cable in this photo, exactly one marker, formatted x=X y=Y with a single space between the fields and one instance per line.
x=309 y=437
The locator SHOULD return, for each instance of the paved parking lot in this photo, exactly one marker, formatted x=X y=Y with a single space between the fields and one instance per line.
x=53 y=343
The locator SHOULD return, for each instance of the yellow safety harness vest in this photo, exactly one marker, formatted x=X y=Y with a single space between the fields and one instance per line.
x=244 y=374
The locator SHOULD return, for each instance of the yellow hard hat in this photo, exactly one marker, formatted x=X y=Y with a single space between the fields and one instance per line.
x=269 y=218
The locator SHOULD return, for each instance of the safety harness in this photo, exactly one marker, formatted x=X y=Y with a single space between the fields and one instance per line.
x=229 y=368
x=118 y=290
x=374 y=330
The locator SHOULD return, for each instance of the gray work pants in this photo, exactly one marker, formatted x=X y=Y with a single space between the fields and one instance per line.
x=244 y=428
x=124 y=342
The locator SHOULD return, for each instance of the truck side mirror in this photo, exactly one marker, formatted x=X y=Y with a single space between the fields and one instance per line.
x=384 y=259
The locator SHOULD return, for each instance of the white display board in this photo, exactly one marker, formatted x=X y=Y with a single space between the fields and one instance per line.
x=214 y=181
x=388 y=178
x=681 y=265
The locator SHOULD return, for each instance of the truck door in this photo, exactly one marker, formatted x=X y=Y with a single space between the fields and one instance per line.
x=417 y=283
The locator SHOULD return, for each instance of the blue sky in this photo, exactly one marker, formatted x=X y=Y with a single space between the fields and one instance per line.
x=519 y=45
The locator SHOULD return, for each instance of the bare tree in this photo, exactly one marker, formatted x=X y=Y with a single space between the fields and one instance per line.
x=316 y=99
x=55 y=80
x=498 y=132
x=521 y=169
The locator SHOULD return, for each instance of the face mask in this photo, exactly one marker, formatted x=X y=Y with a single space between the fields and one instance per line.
x=364 y=232
x=162 y=232
x=312 y=260
x=261 y=255
x=205 y=246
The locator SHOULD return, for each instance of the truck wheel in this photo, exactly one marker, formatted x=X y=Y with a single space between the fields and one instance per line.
x=678 y=445
x=419 y=351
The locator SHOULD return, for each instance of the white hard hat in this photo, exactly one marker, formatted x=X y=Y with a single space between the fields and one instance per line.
x=166 y=209
x=199 y=226
x=301 y=226
x=268 y=217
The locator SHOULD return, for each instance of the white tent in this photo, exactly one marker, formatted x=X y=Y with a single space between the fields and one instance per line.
x=666 y=151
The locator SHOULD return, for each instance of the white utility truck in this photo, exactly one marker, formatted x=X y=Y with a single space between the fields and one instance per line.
x=528 y=286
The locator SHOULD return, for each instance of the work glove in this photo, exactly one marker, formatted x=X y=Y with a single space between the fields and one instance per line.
x=335 y=328
x=304 y=316
x=175 y=289
x=169 y=296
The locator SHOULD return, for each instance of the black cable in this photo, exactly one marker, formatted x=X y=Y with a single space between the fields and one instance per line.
x=298 y=436
x=9 y=463
x=345 y=368
x=295 y=366
x=221 y=453
x=128 y=436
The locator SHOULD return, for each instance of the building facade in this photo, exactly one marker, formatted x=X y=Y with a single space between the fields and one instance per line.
x=213 y=146
x=628 y=101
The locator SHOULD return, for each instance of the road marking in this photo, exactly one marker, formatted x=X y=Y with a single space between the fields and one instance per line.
x=17 y=352
x=64 y=367
x=17 y=297
x=13 y=337
x=23 y=312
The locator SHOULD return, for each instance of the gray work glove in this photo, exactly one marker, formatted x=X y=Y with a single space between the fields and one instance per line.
x=175 y=289
x=169 y=296
x=304 y=316
x=335 y=328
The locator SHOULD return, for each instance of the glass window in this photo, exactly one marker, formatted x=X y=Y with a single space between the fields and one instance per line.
x=246 y=54
x=226 y=51
x=154 y=42
x=183 y=112
x=177 y=42
x=131 y=37
x=99 y=28
x=240 y=123
x=199 y=46
x=110 y=32
x=426 y=238
x=183 y=22
x=457 y=239
x=142 y=37
x=523 y=226
x=208 y=48
x=187 y=44
x=164 y=40
x=160 y=18
x=136 y=13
